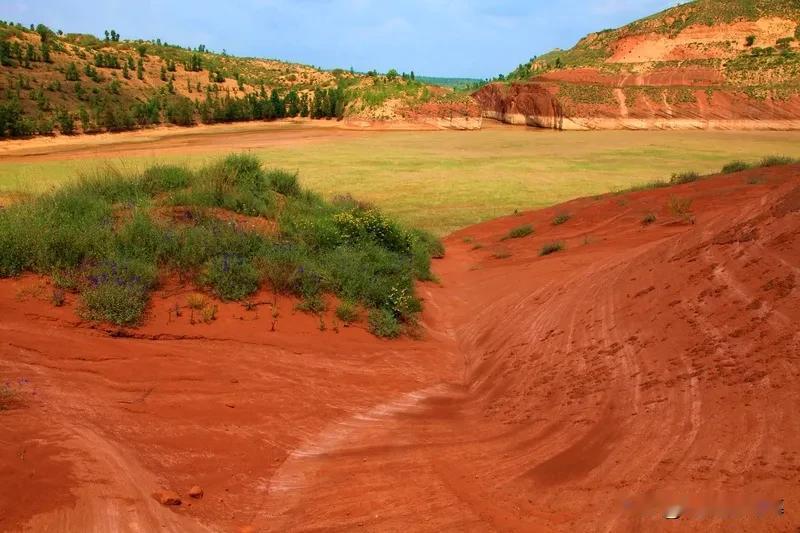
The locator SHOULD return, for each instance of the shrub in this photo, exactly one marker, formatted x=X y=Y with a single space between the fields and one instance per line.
x=231 y=277
x=561 y=218
x=776 y=161
x=347 y=312
x=750 y=40
x=519 y=232
x=735 y=166
x=648 y=219
x=551 y=248
x=424 y=246
x=118 y=292
x=359 y=224
x=684 y=177
x=383 y=323
x=283 y=182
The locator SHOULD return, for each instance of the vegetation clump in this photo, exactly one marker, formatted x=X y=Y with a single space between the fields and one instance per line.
x=561 y=218
x=551 y=248
x=119 y=234
x=519 y=232
x=684 y=177
x=777 y=160
x=735 y=166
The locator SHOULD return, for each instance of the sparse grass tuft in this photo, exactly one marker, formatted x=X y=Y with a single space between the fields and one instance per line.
x=196 y=301
x=684 y=177
x=648 y=219
x=519 y=232
x=313 y=303
x=561 y=218
x=58 y=297
x=347 y=312
x=501 y=254
x=648 y=186
x=551 y=248
x=680 y=207
x=777 y=160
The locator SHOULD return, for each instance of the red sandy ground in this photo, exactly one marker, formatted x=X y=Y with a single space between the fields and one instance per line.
x=644 y=366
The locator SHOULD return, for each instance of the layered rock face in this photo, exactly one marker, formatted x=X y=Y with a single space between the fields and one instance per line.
x=547 y=104
x=709 y=64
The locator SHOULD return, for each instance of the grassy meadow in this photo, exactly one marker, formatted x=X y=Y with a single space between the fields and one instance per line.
x=444 y=180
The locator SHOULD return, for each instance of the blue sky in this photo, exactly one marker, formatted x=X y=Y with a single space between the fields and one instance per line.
x=464 y=38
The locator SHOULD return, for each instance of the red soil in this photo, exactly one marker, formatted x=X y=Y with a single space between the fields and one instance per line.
x=643 y=366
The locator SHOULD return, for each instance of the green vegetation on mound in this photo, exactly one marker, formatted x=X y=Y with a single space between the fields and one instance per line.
x=110 y=237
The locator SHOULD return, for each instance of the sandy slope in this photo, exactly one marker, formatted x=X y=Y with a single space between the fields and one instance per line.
x=584 y=391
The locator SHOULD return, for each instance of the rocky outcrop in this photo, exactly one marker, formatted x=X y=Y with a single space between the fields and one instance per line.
x=628 y=104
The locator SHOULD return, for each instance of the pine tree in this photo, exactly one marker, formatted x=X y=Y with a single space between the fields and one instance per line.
x=163 y=73
x=30 y=55
x=72 y=73
x=125 y=73
x=140 y=69
x=278 y=109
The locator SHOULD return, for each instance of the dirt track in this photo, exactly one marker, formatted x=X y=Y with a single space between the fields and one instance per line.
x=200 y=139
x=585 y=391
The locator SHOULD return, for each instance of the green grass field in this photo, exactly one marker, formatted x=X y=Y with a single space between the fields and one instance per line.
x=445 y=180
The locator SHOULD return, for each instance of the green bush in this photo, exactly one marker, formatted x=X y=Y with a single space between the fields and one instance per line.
x=231 y=277
x=283 y=182
x=551 y=248
x=561 y=218
x=519 y=232
x=383 y=323
x=118 y=291
x=648 y=219
x=735 y=166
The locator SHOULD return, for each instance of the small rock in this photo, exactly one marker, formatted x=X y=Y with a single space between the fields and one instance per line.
x=196 y=492
x=167 y=497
